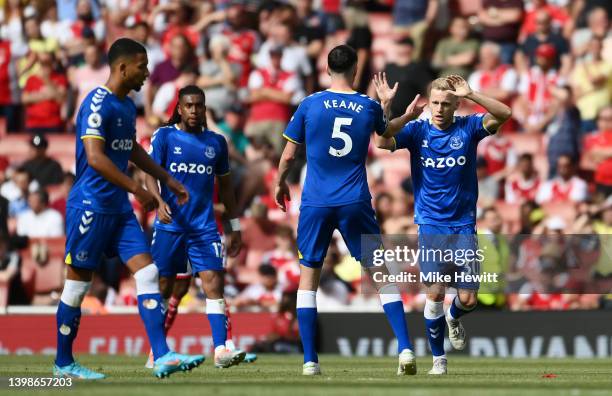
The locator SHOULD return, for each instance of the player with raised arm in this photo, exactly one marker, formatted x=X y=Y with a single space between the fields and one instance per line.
x=335 y=126
x=443 y=162
x=100 y=218
x=195 y=156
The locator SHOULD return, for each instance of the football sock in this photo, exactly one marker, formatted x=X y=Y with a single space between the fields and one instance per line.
x=171 y=313
x=457 y=309
x=394 y=310
x=150 y=308
x=307 y=322
x=215 y=310
x=435 y=326
x=68 y=317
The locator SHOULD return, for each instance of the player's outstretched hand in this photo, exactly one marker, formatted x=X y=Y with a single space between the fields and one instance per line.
x=234 y=243
x=164 y=214
x=146 y=199
x=282 y=195
x=460 y=87
x=415 y=109
x=383 y=90
x=182 y=195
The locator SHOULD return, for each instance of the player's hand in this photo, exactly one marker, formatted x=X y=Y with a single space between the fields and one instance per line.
x=182 y=195
x=415 y=109
x=164 y=214
x=384 y=92
x=234 y=243
x=146 y=199
x=281 y=195
x=460 y=87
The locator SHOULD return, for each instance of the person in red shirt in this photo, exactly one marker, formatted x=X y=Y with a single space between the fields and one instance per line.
x=524 y=185
x=565 y=187
x=532 y=108
x=273 y=92
x=43 y=96
x=559 y=17
x=598 y=152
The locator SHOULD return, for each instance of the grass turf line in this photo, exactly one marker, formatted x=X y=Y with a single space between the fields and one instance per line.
x=276 y=375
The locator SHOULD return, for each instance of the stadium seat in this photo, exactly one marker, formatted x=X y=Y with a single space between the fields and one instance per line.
x=527 y=143
x=49 y=276
x=381 y=24
x=565 y=210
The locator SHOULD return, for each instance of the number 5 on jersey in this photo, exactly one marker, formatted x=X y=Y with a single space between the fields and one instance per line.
x=346 y=138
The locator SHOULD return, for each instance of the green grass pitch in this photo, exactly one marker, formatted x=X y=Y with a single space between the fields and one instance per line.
x=281 y=375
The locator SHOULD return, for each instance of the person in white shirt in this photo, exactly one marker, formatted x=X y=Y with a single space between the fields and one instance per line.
x=40 y=221
x=565 y=187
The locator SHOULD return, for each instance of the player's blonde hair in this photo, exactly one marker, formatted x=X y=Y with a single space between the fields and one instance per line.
x=441 y=84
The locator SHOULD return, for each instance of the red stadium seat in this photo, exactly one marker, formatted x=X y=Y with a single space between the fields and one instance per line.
x=565 y=210
x=49 y=276
x=510 y=214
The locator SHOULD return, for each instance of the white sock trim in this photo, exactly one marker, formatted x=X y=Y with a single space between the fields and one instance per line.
x=433 y=309
x=439 y=357
x=306 y=299
x=74 y=292
x=216 y=306
x=389 y=293
x=147 y=280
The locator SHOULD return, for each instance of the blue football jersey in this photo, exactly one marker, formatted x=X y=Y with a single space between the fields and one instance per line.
x=336 y=128
x=444 y=169
x=103 y=116
x=194 y=160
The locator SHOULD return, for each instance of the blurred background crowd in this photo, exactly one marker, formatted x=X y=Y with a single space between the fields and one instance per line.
x=546 y=175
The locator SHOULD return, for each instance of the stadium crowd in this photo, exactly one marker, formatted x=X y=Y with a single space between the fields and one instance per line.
x=545 y=176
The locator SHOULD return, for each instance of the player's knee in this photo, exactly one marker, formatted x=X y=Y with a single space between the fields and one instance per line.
x=469 y=301
x=74 y=292
x=147 y=280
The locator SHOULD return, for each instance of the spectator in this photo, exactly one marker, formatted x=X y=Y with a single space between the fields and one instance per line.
x=566 y=187
x=166 y=96
x=59 y=203
x=258 y=232
x=10 y=274
x=496 y=258
x=11 y=27
x=412 y=77
x=412 y=18
x=54 y=28
x=590 y=80
x=44 y=169
x=219 y=77
x=559 y=17
x=563 y=130
x=265 y=294
x=598 y=25
x=40 y=221
x=85 y=29
x=488 y=185
x=244 y=42
x=87 y=77
x=598 y=152
x=9 y=91
x=532 y=107
x=523 y=185
x=181 y=57
x=493 y=78
x=310 y=31
x=360 y=38
x=68 y=10
x=17 y=189
x=383 y=206
x=273 y=91
x=294 y=58
x=545 y=35
x=283 y=257
x=501 y=22
x=43 y=97
x=232 y=126
x=456 y=54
